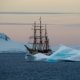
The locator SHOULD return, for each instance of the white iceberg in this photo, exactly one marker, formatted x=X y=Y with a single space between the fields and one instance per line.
x=65 y=53
x=9 y=46
x=40 y=57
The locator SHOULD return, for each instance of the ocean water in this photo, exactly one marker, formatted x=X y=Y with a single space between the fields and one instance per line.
x=15 y=67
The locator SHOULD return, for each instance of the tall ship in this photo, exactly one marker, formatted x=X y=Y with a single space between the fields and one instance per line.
x=40 y=39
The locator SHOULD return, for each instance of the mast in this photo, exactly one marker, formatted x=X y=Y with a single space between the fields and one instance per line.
x=40 y=40
x=34 y=43
x=38 y=43
x=41 y=44
x=46 y=39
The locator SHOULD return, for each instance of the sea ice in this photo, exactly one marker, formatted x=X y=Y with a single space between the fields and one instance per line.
x=65 y=53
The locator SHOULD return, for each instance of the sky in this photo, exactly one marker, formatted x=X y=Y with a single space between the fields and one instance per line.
x=40 y=5
x=66 y=28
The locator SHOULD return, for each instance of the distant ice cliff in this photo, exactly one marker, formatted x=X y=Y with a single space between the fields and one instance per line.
x=9 y=46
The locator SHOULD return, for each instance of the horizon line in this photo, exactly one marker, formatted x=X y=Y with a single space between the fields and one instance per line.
x=39 y=12
x=19 y=23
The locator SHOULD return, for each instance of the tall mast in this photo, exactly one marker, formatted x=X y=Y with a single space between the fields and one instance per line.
x=46 y=39
x=45 y=31
x=41 y=41
x=34 y=43
x=40 y=45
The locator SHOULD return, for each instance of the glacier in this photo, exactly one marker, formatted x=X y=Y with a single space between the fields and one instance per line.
x=9 y=46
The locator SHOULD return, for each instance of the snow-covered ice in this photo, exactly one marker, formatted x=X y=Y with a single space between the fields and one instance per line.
x=8 y=45
x=62 y=54
x=65 y=53
x=40 y=57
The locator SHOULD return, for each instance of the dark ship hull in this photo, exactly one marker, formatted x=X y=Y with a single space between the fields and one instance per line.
x=32 y=51
x=47 y=52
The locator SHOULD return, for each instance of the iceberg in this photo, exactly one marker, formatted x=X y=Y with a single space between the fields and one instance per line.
x=40 y=57
x=9 y=46
x=65 y=53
